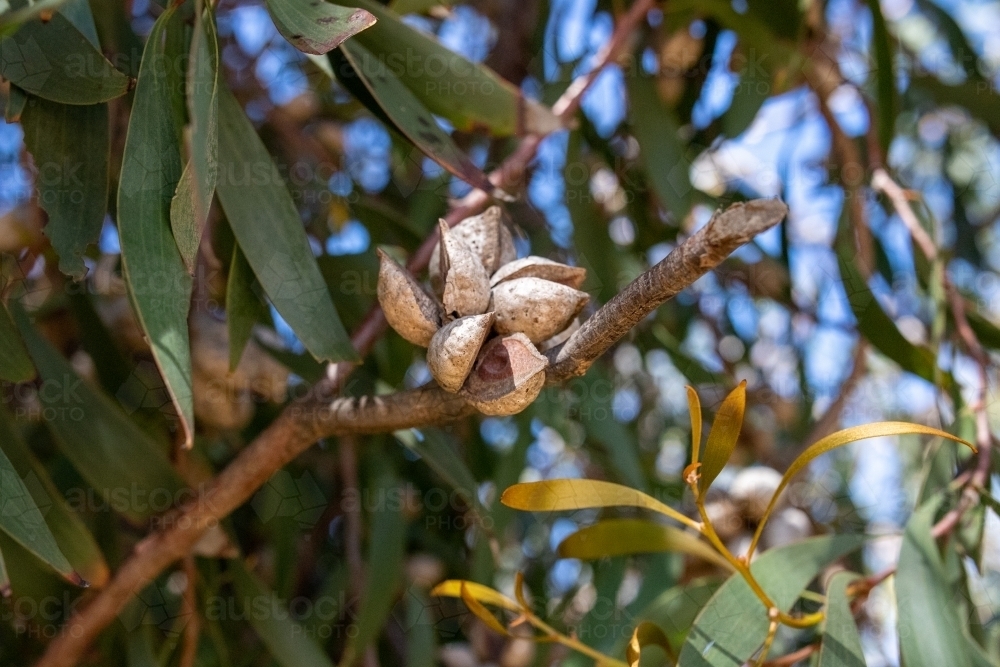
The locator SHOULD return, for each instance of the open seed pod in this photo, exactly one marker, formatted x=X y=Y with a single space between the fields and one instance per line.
x=466 y=283
x=533 y=266
x=508 y=375
x=454 y=347
x=487 y=236
x=407 y=307
x=539 y=308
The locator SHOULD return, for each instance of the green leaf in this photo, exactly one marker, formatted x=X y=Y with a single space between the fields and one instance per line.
x=660 y=149
x=723 y=435
x=12 y=19
x=384 y=576
x=4 y=579
x=978 y=97
x=675 y=609
x=285 y=639
x=317 y=27
x=158 y=283
x=121 y=462
x=193 y=198
x=21 y=519
x=270 y=234
x=79 y=14
x=70 y=146
x=421 y=646
x=930 y=630
x=71 y=534
x=734 y=623
x=243 y=307
x=839 y=439
x=841 y=645
x=573 y=494
x=470 y=95
x=57 y=62
x=15 y=365
x=438 y=451
x=885 y=76
x=753 y=88
x=620 y=537
x=411 y=117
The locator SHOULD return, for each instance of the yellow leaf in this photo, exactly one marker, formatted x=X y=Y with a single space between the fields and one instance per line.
x=574 y=494
x=694 y=410
x=619 y=537
x=453 y=589
x=723 y=435
x=839 y=439
x=647 y=634
x=481 y=612
x=519 y=591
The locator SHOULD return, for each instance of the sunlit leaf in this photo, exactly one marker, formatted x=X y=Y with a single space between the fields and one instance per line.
x=15 y=365
x=733 y=625
x=723 y=435
x=157 y=280
x=619 y=537
x=57 y=62
x=317 y=27
x=70 y=147
x=267 y=226
x=930 y=630
x=839 y=439
x=841 y=645
x=191 y=201
x=284 y=638
x=573 y=494
x=470 y=95
x=411 y=117
x=646 y=634
x=694 y=411
x=481 y=612
x=72 y=536
x=452 y=588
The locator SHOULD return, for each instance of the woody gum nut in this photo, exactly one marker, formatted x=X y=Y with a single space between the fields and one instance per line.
x=454 y=347
x=539 y=267
x=408 y=308
x=508 y=376
x=487 y=236
x=538 y=308
x=466 y=283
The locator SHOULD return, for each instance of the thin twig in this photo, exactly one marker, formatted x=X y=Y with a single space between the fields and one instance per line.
x=793 y=657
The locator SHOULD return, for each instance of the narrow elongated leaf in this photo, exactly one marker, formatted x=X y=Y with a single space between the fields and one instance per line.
x=753 y=88
x=675 y=609
x=619 y=537
x=386 y=549
x=421 y=646
x=734 y=623
x=723 y=435
x=243 y=307
x=841 y=645
x=885 y=77
x=129 y=470
x=481 y=612
x=262 y=215
x=839 y=439
x=980 y=99
x=71 y=535
x=694 y=412
x=158 y=283
x=317 y=27
x=452 y=588
x=470 y=95
x=411 y=117
x=646 y=634
x=15 y=365
x=189 y=207
x=57 y=62
x=661 y=152
x=70 y=146
x=285 y=639
x=21 y=519
x=573 y=494
x=930 y=630
x=439 y=453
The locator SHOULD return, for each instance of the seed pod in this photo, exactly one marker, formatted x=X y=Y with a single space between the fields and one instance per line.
x=560 y=337
x=539 y=267
x=508 y=375
x=407 y=307
x=539 y=308
x=487 y=236
x=454 y=347
x=466 y=283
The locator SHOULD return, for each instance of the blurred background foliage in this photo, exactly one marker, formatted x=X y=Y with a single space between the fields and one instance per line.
x=833 y=318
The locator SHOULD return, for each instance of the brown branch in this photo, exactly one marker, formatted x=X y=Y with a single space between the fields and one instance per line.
x=793 y=657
